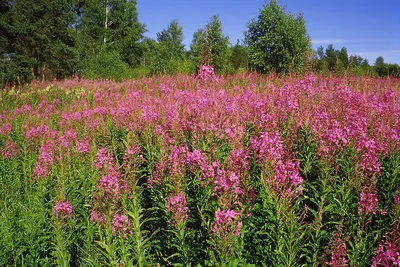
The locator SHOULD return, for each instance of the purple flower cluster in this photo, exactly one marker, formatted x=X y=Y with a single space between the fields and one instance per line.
x=120 y=225
x=5 y=129
x=40 y=131
x=82 y=147
x=227 y=182
x=338 y=254
x=176 y=160
x=287 y=178
x=129 y=152
x=369 y=161
x=96 y=218
x=267 y=147
x=226 y=222
x=62 y=210
x=206 y=73
x=109 y=186
x=238 y=161
x=103 y=158
x=387 y=254
x=10 y=150
x=45 y=160
x=176 y=207
x=68 y=137
x=368 y=201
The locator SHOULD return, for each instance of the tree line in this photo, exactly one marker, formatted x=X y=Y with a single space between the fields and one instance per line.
x=48 y=39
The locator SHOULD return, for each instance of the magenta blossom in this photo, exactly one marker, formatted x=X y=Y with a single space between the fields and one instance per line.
x=368 y=202
x=176 y=206
x=226 y=221
x=95 y=217
x=206 y=73
x=82 y=146
x=10 y=150
x=62 y=210
x=120 y=224
x=387 y=253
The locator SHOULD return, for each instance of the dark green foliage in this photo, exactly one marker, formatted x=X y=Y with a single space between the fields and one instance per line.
x=239 y=57
x=386 y=70
x=277 y=41
x=338 y=62
x=42 y=35
x=169 y=52
x=106 y=65
x=111 y=24
x=217 y=45
x=37 y=40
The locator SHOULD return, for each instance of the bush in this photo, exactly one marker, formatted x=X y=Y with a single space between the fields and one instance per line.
x=106 y=65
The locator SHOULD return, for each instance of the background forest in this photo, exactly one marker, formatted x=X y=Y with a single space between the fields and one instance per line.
x=51 y=39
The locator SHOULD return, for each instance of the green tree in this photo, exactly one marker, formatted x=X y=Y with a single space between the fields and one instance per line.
x=379 y=61
x=5 y=39
x=171 y=41
x=170 y=50
x=212 y=40
x=5 y=35
x=239 y=57
x=42 y=37
x=320 y=60
x=111 y=25
x=331 y=57
x=148 y=48
x=276 y=40
x=343 y=57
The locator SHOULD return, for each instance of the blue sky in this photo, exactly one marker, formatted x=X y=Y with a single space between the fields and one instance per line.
x=369 y=28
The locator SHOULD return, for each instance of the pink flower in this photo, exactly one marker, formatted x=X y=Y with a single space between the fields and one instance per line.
x=206 y=73
x=5 y=129
x=103 y=157
x=62 y=210
x=387 y=253
x=120 y=224
x=10 y=150
x=176 y=207
x=95 y=217
x=83 y=147
x=45 y=160
x=227 y=182
x=368 y=201
x=267 y=146
x=226 y=222
x=67 y=138
x=287 y=176
x=337 y=251
x=109 y=186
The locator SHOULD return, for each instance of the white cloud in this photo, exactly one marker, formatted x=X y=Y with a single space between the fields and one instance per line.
x=327 y=42
x=389 y=56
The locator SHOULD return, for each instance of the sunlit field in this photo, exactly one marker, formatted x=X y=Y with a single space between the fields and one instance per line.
x=242 y=170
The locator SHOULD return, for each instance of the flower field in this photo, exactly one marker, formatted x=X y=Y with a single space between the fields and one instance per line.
x=243 y=170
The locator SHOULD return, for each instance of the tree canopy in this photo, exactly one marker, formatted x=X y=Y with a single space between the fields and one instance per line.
x=276 y=40
x=104 y=39
x=212 y=40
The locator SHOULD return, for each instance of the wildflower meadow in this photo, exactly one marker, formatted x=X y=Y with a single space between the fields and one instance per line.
x=206 y=170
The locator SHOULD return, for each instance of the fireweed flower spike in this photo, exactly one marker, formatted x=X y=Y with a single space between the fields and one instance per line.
x=62 y=210
x=226 y=222
x=206 y=73
x=120 y=225
x=176 y=207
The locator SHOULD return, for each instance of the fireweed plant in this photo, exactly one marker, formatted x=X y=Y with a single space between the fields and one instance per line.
x=202 y=170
